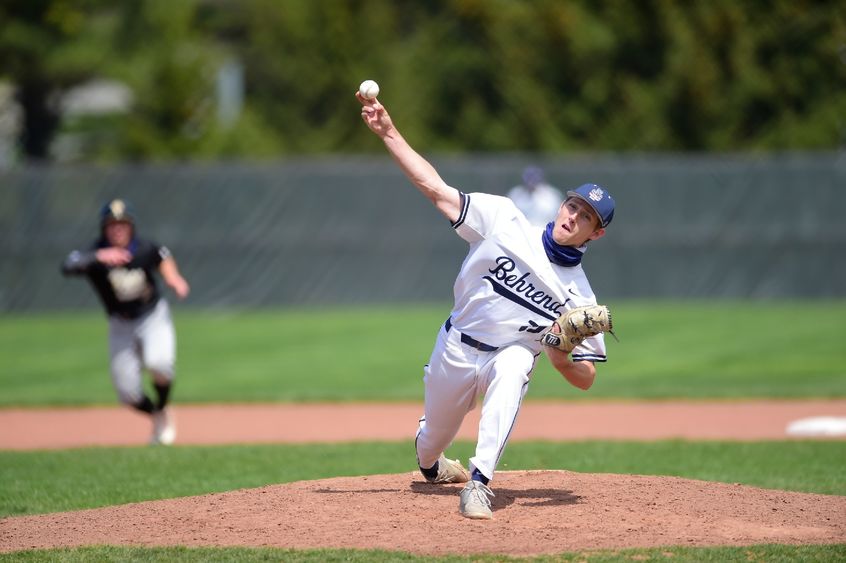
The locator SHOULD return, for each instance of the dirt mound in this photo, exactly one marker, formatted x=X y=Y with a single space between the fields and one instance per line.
x=535 y=512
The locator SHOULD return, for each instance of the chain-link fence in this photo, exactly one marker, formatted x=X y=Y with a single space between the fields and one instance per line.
x=353 y=230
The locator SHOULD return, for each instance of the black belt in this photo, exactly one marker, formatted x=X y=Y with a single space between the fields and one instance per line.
x=470 y=341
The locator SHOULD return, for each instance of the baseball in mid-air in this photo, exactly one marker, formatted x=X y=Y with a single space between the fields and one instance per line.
x=369 y=89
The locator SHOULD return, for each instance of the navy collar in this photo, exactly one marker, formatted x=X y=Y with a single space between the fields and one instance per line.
x=559 y=254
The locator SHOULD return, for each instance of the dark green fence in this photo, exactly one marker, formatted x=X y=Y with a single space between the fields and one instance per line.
x=353 y=230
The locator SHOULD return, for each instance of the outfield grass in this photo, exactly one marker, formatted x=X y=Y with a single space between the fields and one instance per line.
x=666 y=350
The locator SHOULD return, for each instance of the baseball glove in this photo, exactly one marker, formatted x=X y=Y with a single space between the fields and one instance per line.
x=577 y=324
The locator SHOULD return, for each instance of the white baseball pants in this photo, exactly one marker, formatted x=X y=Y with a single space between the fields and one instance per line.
x=456 y=375
x=148 y=342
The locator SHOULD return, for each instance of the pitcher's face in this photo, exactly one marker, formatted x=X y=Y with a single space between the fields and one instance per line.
x=576 y=223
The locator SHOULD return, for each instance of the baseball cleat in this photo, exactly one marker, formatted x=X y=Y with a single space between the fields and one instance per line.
x=450 y=471
x=164 y=429
x=475 y=502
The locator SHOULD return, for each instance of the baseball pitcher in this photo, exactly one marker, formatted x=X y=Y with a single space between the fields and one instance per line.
x=521 y=289
x=121 y=268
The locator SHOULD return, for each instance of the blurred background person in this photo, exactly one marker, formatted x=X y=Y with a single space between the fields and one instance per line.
x=538 y=200
x=121 y=268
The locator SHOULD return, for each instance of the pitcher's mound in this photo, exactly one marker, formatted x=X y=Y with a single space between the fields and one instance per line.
x=535 y=512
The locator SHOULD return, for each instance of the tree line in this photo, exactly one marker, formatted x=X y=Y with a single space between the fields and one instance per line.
x=457 y=75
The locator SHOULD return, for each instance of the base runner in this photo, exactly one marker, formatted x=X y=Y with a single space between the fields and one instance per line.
x=121 y=268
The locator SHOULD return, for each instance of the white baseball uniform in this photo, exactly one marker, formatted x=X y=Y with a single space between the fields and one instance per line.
x=539 y=204
x=506 y=293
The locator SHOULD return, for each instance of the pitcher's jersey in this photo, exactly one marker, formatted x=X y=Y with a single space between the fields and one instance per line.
x=507 y=290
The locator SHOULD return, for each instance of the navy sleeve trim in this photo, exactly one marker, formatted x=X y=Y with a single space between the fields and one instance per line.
x=589 y=358
x=465 y=204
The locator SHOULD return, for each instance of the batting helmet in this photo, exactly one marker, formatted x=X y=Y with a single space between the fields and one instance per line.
x=117 y=210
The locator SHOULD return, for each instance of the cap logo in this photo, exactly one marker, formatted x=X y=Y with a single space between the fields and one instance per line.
x=596 y=194
x=117 y=207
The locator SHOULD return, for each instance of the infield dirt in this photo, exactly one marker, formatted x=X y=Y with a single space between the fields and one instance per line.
x=536 y=512
x=41 y=428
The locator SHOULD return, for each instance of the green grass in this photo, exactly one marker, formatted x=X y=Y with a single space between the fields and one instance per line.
x=51 y=481
x=666 y=350
x=768 y=553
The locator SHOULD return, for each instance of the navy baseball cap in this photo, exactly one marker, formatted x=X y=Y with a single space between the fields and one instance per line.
x=599 y=199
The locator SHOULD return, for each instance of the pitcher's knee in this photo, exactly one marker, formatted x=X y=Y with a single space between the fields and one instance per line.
x=513 y=380
x=429 y=446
